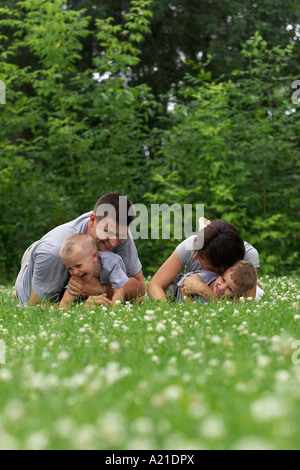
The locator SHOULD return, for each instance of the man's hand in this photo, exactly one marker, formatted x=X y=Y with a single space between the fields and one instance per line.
x=97 y=300
x=79 y=288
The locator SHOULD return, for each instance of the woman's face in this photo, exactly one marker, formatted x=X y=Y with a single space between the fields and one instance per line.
x=205 y=264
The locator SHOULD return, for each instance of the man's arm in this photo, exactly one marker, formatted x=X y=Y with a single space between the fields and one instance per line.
x=134 y=287
x=164 y=276
x=34 y=300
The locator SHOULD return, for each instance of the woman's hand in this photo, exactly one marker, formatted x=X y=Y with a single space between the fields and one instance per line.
x=193 y=285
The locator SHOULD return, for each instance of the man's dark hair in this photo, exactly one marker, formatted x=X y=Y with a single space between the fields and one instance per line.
x=119 y=203
x=222 y=244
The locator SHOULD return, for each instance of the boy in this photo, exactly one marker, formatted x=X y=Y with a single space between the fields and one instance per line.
x=80 y=256
x=235 y=282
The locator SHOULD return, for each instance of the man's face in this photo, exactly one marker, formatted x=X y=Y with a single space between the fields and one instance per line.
x=109 y=234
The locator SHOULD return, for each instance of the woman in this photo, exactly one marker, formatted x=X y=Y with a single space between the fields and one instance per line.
x=217 y=247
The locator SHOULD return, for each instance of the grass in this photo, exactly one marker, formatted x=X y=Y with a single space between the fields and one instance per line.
x=154 y=376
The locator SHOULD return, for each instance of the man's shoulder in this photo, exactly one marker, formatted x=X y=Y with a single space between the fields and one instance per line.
x=57 y=235
x=110 y=259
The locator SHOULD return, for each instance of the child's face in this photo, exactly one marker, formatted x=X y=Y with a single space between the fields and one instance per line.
x=224 y=286
x=82 y=265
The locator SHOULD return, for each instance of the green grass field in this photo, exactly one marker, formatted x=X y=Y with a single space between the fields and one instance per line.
x=153 y=376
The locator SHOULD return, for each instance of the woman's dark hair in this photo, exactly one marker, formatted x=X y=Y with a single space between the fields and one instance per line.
x=221 y=244
x=117 y=207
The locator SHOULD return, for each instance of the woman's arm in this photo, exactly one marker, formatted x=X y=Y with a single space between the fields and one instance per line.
x=164 y=276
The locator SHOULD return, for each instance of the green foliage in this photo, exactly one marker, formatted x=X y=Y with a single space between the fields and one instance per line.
x=67 y=135
x=233 y=147
x=81 y=119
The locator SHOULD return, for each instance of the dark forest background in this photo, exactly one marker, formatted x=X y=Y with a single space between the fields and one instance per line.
x=182 y=101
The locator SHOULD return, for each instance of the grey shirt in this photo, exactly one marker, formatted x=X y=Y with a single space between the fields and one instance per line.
x=207 y=277
x=46 y=274
x=185 y=252
x=112 y=270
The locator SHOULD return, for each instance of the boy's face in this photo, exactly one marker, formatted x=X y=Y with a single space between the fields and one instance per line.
x=225 y=287
x=82 y=265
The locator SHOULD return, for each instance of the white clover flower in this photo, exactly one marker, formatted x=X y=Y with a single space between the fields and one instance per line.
x=173 y=393
x=5 y=375
x=263 y=361
x=269 y=408
x=63 y=356
x=112 y=428
x=160 y=327
x=215 y=339
x=114 y=346
x=37 y=441
x=213 y=427
x=161 y=339
x=155 y=359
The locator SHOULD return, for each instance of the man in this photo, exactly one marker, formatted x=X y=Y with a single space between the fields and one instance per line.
x=43 y=275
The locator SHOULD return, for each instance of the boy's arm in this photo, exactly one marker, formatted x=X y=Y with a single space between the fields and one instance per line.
x=193 y=285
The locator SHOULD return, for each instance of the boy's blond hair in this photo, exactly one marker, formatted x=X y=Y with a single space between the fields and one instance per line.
x=244 y=276
x=79 y=241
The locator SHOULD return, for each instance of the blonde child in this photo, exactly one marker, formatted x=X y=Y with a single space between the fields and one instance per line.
x=80 y=256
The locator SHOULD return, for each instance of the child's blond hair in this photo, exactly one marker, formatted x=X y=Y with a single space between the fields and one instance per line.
x=79 y=241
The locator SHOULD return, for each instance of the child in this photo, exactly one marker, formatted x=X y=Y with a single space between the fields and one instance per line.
x=235 y=282
x=80 y=256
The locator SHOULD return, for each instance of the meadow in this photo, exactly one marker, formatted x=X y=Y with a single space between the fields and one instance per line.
x=153 y=376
